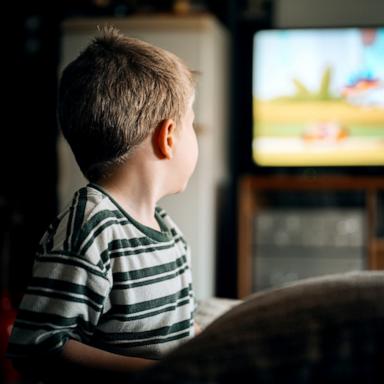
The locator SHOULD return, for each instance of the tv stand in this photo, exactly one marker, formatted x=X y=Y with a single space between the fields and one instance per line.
x=253 y=198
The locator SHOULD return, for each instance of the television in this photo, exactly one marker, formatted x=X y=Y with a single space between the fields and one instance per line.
x=317 y=99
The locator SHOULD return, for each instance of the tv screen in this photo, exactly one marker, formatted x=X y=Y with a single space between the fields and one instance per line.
x=318 y=97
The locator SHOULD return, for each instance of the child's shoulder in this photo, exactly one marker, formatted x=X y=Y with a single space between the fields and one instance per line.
x=84 y=218
x=89 y=207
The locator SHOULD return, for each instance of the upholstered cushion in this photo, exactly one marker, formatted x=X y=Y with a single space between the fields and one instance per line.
x=322 y=330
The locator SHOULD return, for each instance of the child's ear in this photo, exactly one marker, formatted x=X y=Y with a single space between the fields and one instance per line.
x=166 y=138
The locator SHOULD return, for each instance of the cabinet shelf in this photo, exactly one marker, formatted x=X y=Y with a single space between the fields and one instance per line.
x=253 y=200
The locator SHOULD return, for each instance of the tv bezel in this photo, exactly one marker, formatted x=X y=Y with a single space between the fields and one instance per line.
x=243 y=113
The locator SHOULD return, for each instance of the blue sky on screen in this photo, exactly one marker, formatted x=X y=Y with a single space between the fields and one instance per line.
x=283 y=55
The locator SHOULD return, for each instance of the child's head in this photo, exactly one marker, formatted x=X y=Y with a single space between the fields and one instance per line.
x=114 y=95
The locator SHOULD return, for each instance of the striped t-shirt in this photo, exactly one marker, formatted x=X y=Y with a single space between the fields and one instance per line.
x=104 y=279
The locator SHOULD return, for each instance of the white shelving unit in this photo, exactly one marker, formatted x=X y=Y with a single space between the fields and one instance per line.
x=203 y=44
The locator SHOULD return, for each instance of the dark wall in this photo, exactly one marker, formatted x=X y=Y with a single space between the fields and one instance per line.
x=28 y=200
x=28 y=135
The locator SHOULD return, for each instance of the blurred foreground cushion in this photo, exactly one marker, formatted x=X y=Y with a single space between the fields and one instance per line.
x=321 y=330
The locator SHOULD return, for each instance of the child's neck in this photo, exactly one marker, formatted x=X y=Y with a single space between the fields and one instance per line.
x=137 y=192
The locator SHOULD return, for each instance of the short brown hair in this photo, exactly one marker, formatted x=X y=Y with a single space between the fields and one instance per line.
x=114 y=95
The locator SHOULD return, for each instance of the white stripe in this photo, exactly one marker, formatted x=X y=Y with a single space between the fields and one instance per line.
x=141 y=247
x=51 y=325
x=53 y=306
x=127 y=317
x=147 y=259
x=183 y=313
x=155 y=337
x=157 y=290
x=182 y=269
x=80 y=260
x=68 y=294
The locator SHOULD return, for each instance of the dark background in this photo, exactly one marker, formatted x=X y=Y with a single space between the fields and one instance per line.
x=30 y=57
x=31 y=48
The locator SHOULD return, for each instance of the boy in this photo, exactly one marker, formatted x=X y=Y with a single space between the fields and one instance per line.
x=111 y=288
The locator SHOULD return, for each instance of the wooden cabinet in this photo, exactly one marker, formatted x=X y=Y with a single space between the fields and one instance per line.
x=202 y=43
x=253 y=194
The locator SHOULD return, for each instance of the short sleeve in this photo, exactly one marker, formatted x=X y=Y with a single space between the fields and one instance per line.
x=64 y=300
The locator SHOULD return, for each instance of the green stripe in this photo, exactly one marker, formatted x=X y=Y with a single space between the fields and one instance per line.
x=66 y=287
x=104 y=266
x=159 y=210
x=107 y=255
x=96 y=233
x=118 y=244
x=51 y=233
x=105 y=260
x=46 y=327
x=115 y=247
x=69 y=222
x=62 y=296
x=184 y=302
x=149 y=282
x=76 y=329
x=150 y=271
x=71 y=261
x=131 y=252
x=39 y=318
x=124 y=318
x=163 y=331
x=79 y=217
x=130 y=243
x=20 y=324
x=153 y=341
x=151 y=304
x=90 y=225
x=138 y=251
x=155 y=303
